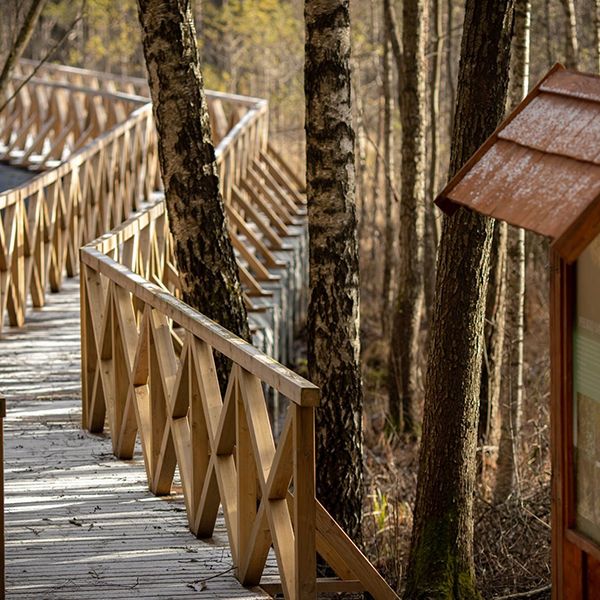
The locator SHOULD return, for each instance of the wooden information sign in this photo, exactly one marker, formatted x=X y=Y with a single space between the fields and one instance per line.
x=540 y=170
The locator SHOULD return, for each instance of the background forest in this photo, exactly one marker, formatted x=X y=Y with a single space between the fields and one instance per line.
x=256 y=47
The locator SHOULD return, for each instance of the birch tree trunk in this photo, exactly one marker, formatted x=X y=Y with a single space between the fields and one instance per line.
x=18 y=47
x=205 y=258
x=441 y=556
x=361 y=158
x=450 y=64
x=511 y=409
x=333 y=311
x=376 y=183
x=494 y=335
x=548 y=26
x=571 y=43
x=404 y=344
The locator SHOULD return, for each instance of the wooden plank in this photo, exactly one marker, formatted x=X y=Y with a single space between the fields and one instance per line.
x=257 y=219
x=251 y=565
x=255 y=408
x=282 y=534
x=283 y=164
x=304 y=502
x=323 y=586
x=127 y=537
x=572 y=84
x=285 y=181
x=247 y=485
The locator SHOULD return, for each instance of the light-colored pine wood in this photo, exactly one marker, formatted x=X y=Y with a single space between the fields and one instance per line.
x=147 y=364
x=130 y=544
x=304 y=502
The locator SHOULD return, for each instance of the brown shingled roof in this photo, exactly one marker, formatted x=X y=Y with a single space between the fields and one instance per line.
x=541 y=168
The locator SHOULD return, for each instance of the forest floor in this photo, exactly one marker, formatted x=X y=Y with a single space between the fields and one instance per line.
x=512 y=540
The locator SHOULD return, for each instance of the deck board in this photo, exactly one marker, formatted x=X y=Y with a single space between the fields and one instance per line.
x=81 y=524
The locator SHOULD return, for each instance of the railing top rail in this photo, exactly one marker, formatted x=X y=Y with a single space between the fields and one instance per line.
x=34 y=81
x=137 y=81
x=288 y=383
x=103 y=75
x=259 y=108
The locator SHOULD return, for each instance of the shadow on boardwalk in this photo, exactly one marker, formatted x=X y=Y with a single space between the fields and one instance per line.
x=80 y=523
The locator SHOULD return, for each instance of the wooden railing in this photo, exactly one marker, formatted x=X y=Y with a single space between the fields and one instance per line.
x=47 y=219
x=147 y=358
x=96 y=146
x=148 y=369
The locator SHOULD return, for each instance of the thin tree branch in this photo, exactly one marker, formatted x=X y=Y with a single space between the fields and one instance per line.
x=46 y=57
x=17 y=48
x=528 y=594
x=382 y=158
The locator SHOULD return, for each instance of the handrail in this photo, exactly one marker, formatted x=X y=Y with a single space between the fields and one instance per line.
x=112 y=95
x=148 y=366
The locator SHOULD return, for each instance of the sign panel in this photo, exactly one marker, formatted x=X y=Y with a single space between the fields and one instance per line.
x=586 y=392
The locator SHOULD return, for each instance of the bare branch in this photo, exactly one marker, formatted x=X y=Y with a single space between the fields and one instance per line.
x=46 y=57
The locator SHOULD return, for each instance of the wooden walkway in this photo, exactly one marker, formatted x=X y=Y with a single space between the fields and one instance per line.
x=80 y=523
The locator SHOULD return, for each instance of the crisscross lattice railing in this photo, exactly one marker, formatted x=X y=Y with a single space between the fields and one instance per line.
x=96 y=146
x=148 y=368
x=147 y=358
x=90 y=189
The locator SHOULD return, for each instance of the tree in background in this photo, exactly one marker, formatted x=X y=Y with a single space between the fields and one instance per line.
x=205 y=259
x=18 y=45
x=441 y=561
x=571 y=41
x=333 y=310
x=389 y=164
x=512 y=405
x=597 y=35
x=404 y=344
x=432 y=223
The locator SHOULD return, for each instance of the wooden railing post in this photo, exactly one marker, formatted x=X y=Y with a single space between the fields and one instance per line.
x=304 y=503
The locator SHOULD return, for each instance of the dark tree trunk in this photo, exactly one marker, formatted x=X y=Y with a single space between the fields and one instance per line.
x=441 y=555
x=388 y=154
x=207 y=267
x=404 y=344
x=333 y=311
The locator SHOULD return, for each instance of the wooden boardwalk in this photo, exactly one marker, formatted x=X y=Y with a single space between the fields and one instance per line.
x=80 y=523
